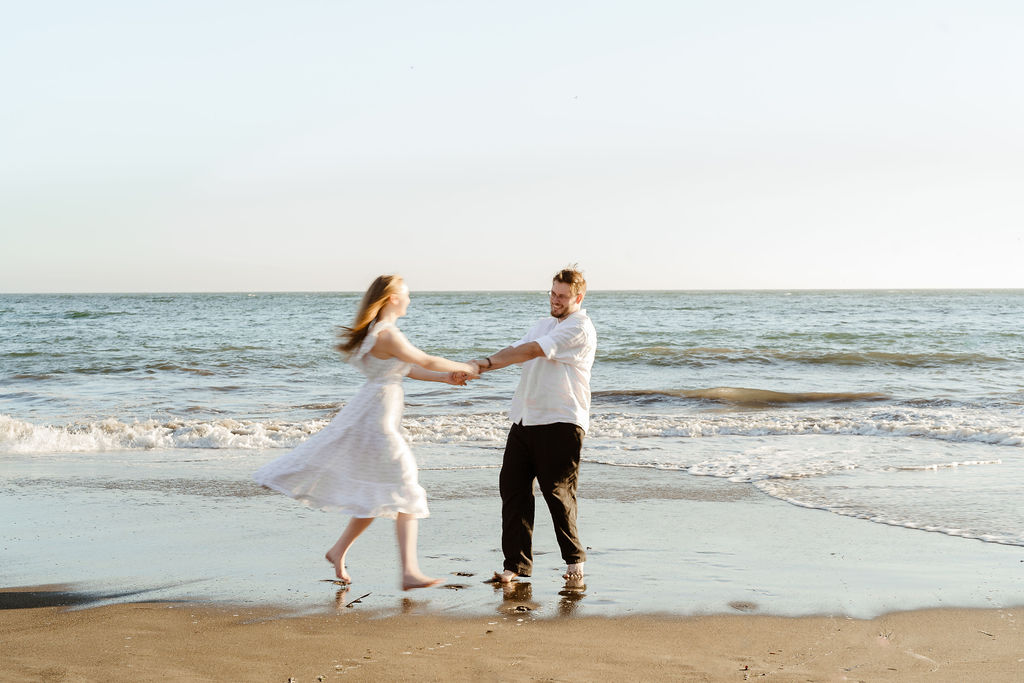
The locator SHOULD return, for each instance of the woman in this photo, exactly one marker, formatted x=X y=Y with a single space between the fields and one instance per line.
x=360 y=463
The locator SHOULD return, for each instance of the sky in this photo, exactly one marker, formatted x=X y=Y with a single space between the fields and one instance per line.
x=310 y=146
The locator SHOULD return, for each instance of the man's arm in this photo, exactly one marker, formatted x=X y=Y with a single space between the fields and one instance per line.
x=510 y=355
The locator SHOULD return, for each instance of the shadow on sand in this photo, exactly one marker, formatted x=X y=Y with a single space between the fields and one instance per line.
x=32 y=597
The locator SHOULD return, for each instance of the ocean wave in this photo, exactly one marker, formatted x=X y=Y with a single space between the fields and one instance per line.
x=934 y=467
x=113 y=369
x=99 y=370
x=939 y=426
x=215 y=488
x=78 y=315
x=486 y=427
x=172 y=367
x=18 y=436
x=771 y=465
x=736 y=395
x=706 y=356
x=778 y=489
x=784 y=460
x=129 y=365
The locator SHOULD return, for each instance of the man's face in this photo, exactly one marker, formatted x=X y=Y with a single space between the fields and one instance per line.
x=563 y=302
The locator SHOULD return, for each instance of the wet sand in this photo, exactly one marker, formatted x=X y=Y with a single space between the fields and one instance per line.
x=158 y=641
x=175 y=527
x=135 y=571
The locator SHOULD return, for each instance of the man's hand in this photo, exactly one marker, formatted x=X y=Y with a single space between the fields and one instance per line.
x=459 y=378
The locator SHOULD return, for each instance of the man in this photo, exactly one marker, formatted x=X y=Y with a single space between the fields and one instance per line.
x=550 y=413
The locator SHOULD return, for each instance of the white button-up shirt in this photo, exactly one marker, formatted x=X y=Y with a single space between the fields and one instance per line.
x=556 y=387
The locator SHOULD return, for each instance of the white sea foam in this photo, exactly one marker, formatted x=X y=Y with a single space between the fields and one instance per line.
x=839 y=471
x=944 y=466
x=484 y=427
x=994 y=523
x=17 y=436
x=986 y=428
x=910 y=482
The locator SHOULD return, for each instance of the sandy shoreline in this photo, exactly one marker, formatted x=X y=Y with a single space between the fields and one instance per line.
x=658 y=543
x=140 y=572
x=160 y=641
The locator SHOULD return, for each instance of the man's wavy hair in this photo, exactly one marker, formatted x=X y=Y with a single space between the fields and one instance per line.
x=572 y=276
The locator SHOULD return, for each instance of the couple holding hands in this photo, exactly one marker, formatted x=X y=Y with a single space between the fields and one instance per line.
x=361 y=464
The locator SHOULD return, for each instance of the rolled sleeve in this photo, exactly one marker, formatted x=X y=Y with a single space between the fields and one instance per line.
x=547 y=345
x=564 y=343
x=536 y=331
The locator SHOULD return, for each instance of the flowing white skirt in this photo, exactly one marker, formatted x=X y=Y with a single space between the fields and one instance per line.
x=359 y=463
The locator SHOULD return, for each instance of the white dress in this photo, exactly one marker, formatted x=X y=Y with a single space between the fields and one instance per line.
x=359 y=463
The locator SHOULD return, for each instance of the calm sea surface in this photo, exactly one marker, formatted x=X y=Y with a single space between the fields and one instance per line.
x=897 y=407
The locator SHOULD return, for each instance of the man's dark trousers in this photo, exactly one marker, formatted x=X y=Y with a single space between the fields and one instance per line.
x=550 y=454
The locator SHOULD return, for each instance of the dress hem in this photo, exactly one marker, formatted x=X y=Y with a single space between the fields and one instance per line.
x=387 y=511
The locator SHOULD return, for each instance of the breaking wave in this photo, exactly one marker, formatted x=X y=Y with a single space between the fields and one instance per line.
x=703 y=356
x=18 y=436
x=737 y=396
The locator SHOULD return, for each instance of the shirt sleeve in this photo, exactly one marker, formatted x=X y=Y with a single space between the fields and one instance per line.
x=532 y=335
x=565 y=342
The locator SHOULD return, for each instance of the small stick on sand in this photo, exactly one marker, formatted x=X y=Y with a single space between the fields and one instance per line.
x=359 y=599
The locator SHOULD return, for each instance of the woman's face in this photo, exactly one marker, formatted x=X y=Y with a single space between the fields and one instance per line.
x=400 y=299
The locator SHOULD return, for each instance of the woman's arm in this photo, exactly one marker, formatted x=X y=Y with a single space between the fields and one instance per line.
x=456 y=378
x=392 y=344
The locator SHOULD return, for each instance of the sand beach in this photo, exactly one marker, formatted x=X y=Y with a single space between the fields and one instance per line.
x=692 y=579
x=154 y=641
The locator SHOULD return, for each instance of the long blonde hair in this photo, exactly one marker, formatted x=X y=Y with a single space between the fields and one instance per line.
x=373 y=301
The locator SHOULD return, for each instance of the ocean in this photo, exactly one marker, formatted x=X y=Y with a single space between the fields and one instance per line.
x=896 y=407
x=893 y=408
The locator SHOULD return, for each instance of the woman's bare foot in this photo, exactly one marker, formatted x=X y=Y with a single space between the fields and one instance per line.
x=339 y=566
x=419 y=581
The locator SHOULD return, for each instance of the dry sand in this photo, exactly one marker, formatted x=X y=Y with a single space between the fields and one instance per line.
x=160 y=641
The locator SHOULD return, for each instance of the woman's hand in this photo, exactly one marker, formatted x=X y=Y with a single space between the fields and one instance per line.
x=459 y=378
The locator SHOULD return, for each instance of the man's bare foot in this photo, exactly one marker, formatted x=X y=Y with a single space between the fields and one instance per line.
x=339 y=566
x=574 y=572
x=505 y=576
x=419 y=581
x=574 y=583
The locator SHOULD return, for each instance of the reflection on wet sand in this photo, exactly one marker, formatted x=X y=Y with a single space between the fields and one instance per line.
x=516 y=597
x=571 y=594
x=341 y=598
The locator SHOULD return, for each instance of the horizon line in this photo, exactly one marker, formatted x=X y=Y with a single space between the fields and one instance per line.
x=514 y=291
